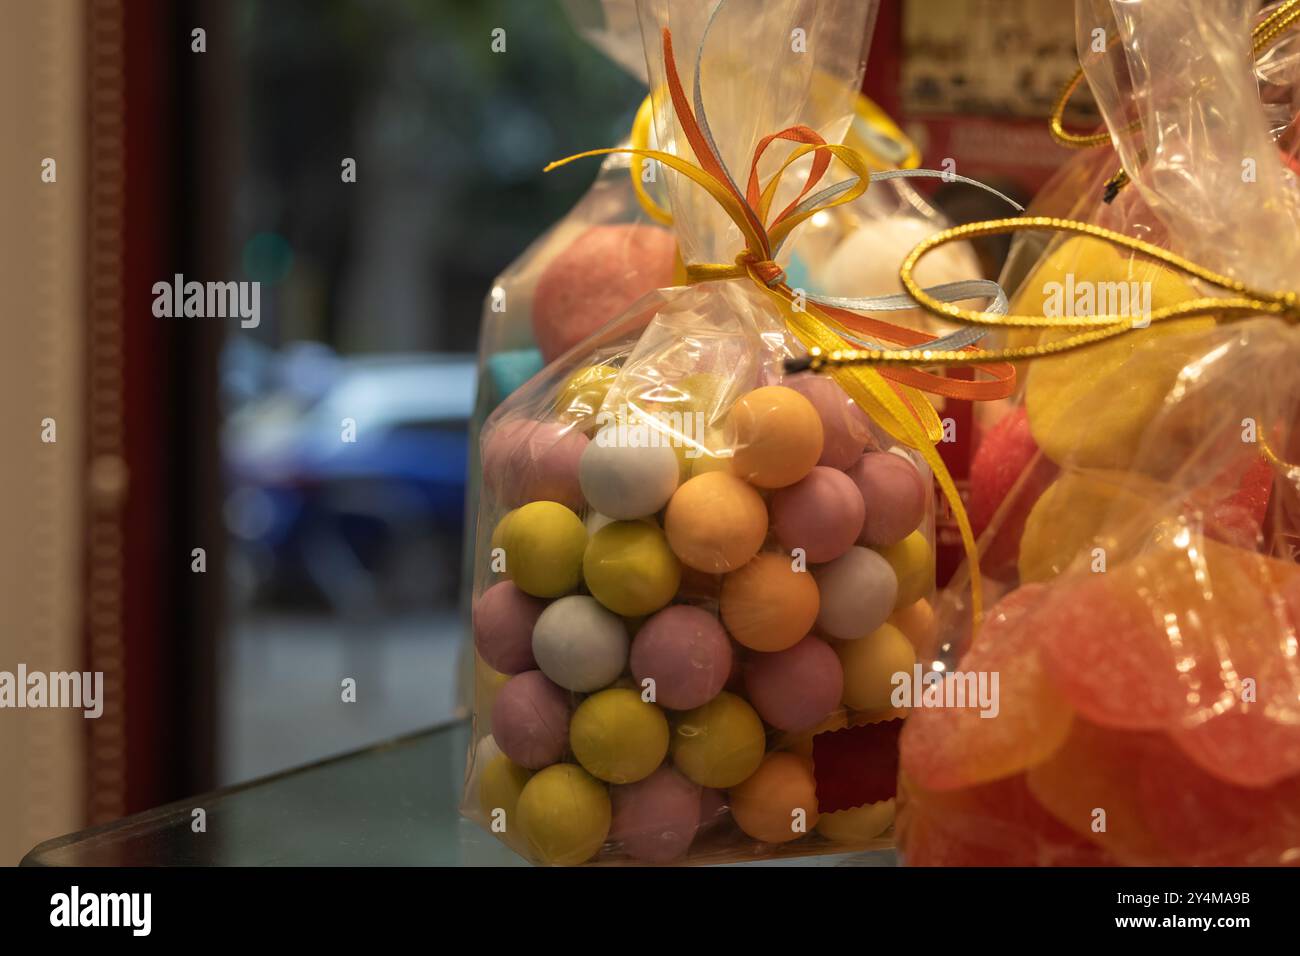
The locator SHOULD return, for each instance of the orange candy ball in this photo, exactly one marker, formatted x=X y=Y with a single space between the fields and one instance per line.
x=768 y=805
x=918 y=624
x=767 y=605
x=715 y=522
x=777 y=434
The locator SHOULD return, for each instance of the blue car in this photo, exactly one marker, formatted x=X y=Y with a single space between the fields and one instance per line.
x=352 y=492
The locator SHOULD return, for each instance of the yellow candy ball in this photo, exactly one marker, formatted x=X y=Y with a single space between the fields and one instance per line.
x=499 y=786
x=715 y=455
x=870 y=665
x=630 y=569
x=499 y=532
x=686 y=407
x=859 y=825
x=543 y=543
x=1092 y=407
x=584 y=392
x=913 y=562
x=719 y=744
x=564 y=815
x=1065 y=523
x=618 y=737
x=700 y=392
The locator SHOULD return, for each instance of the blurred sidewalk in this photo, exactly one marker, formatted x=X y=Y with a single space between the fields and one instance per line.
x=282 y=677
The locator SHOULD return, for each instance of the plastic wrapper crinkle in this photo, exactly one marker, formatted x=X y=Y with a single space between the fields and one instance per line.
x=695 y=574
x=1138 y=508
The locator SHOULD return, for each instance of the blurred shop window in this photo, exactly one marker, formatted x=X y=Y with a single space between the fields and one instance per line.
x=343 y=546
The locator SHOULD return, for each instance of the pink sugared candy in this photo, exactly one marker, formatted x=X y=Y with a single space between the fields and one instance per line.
x=656 y=819
x=845 y=427
x=525 y=461
x=894 y=495
x=797 y=688
x=530 y=720
x=821 y=513
x=592 y=282
x=503 y=627
x=687 y=654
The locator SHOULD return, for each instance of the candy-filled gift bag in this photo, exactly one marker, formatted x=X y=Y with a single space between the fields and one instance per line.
x=1144 y=656
x=698 y=564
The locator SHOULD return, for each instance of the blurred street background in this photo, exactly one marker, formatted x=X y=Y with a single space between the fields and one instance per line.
x=345 y=558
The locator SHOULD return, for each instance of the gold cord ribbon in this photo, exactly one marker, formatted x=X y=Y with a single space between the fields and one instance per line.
x=1243 y=301
x=1262 y=37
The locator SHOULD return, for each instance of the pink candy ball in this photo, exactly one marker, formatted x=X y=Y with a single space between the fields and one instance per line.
x=503 y=628
x=821 y=513
x=797 y=688
x=525 y=461
x=846 y=429
x=686 y=652
x=530 y=720
x=656 y=819
x=894 y=495
x=595 y=279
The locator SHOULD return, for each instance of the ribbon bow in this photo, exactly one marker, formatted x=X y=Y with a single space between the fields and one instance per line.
x=894 y=397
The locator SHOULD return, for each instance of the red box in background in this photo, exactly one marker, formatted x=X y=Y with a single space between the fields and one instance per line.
x=974 y=81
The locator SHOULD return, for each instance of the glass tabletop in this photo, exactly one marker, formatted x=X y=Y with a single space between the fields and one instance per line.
x=394 y=804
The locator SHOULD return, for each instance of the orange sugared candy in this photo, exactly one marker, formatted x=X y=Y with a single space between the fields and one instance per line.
x=1099 y=769
x=994 y=824
x=1109 y=653
x=777 y=434
x=767 y=605
x=715 y=522
x=778 y=803
x=943 y=748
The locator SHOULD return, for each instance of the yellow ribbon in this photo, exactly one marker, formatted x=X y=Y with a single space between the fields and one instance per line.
x=865 y=110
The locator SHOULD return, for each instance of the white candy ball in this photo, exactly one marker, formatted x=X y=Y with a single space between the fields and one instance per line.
x=624 y=481
x=866 y=263
x=858 y=590
x=580 y=645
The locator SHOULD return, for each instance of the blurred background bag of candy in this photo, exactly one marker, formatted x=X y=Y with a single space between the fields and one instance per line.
x=695 y=574
x=1138 y=513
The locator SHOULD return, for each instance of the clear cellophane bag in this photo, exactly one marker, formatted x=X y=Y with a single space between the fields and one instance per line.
x=694 y=571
